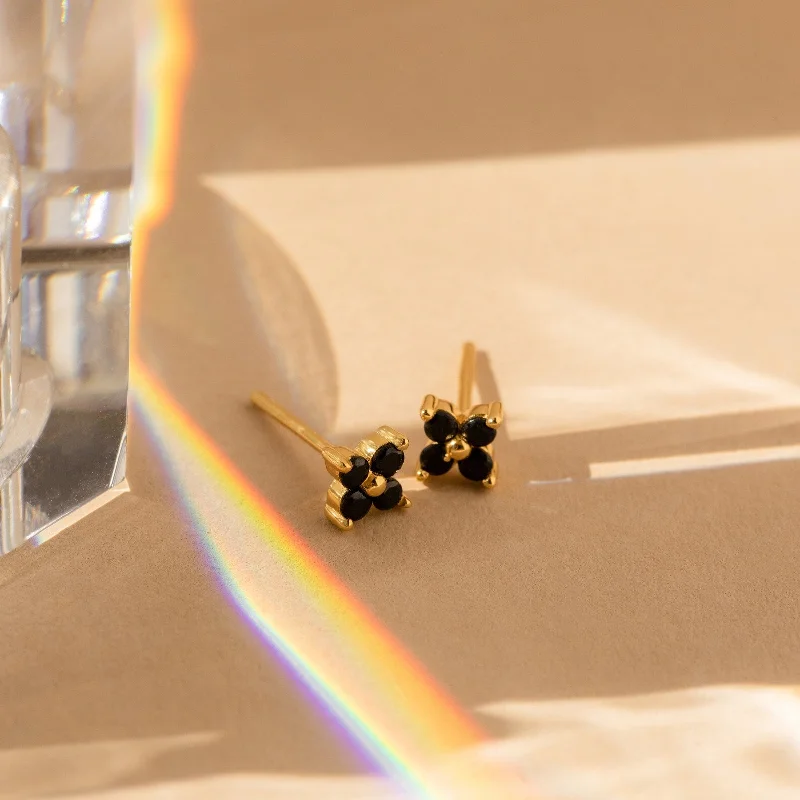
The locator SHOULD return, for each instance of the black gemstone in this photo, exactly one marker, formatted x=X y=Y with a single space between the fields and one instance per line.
x=357 y=475
x=477 y=432
x=387 y=460
x=441 y=426
x=431 y=459
x=355 y=504
x=477 y=466
x=391 y=496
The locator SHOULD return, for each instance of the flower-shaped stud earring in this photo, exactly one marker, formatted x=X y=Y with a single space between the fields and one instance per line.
x=462 y=435
x=362 y=477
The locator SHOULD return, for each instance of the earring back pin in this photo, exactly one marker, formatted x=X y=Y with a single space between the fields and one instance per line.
x=362 y=477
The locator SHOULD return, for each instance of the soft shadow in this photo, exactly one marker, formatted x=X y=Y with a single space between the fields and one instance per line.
x=258 y=328
x=114 y=631
x=601 y=587
x=117 y=630
x=574 y=589
x=335 y=82
x=570 y=456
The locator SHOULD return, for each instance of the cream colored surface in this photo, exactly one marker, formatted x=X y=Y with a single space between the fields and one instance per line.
x=609 y=288
x=726 y=743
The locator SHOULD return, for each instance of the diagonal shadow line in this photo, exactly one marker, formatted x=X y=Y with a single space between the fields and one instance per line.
x=331 y=83
x=570 y=455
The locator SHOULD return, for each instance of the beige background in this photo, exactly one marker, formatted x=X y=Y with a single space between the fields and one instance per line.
x=603 y=196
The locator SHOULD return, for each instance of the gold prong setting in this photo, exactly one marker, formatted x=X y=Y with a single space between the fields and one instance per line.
x=462 y=437
x=339 y=460
x=428 y=408
x=342 y=523
x=392 y=436
x=491 y=480
x=375 y=487
x=379 y=457
x=494 y=415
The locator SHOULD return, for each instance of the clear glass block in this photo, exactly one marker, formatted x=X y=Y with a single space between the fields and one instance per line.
x=66 y=99
x=66 y=104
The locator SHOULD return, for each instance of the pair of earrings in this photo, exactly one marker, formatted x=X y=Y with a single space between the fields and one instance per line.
x=363 y=477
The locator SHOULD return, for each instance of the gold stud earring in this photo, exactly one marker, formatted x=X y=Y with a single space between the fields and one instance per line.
x=460 y=435
x=362 y=477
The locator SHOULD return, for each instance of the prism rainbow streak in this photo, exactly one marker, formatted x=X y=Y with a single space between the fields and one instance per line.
x=164 y=58
x=376 y=691
x=332 y=644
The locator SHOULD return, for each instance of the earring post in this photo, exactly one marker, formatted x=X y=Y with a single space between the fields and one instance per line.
x=467 y=377
x=280 y=414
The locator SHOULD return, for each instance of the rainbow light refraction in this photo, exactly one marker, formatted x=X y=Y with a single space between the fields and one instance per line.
x=332 y=645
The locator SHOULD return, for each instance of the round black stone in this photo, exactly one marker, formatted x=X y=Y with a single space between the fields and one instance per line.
x=355 y=504
x=357 y=475
x=431 y=459
x=387 y=460
x=441 y=427
x=477 y=432
x=391 y=496
x=477 y=465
